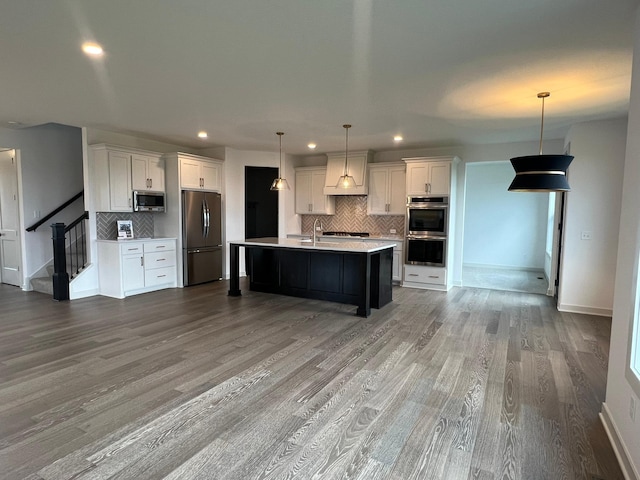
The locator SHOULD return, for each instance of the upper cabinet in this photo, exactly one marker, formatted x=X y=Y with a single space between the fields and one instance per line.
x=147 y=173
x=309 y=188
x=200 y=173
x=430 y=176
x=356 y=167
x=113 y=173
x=386 y=189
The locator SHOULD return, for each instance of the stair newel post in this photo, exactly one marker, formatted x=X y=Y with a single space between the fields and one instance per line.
x=60 y=275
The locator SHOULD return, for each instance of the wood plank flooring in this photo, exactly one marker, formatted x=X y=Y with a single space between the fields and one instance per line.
x=193 y=384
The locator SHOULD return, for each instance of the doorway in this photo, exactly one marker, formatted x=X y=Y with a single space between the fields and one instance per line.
x=10 y=252
x=504 y=244
x=260 y=202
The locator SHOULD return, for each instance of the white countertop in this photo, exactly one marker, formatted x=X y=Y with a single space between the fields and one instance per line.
x=137 y=239
x=342 y=246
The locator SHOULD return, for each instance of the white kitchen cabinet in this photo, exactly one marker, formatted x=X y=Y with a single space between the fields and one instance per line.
x=147 y=173
x=309 y=190
x=132 y=267
x=116 y=171
x=199 y=173
x=387 y=190
x=398 y=263
x=357 y=168
x=429 y=175
x=422 y=276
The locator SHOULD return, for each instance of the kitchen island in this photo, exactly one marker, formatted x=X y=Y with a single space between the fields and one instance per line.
x=355 y=273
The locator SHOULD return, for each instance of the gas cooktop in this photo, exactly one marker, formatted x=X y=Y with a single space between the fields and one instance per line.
x=346 y=234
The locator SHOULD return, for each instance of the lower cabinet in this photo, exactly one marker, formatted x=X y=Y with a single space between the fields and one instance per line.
x=132 y=267
x=419 y=276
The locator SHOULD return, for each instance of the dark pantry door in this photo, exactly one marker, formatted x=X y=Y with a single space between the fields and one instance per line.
x=260 y=203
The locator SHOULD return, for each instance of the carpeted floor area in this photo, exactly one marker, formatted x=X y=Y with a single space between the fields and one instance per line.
x=505 y=279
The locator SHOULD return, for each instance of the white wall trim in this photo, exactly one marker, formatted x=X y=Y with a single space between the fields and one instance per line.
x=601 y=312
x=503 y=267
x=619 y=447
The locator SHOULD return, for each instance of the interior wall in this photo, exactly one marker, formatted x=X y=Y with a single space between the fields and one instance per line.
x=502 y=228
x=235 y=161
x=51 y=173
x=620 y=382
x=592 y=210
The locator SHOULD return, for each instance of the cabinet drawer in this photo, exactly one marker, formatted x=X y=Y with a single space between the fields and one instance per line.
x=158 y=246
x=420 y=274
x=129 y=248
x=159 y=276
x=159 y=259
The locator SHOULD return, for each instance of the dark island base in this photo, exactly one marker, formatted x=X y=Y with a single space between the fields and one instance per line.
x=362 y=279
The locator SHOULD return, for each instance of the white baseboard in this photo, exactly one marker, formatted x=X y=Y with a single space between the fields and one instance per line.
x=601 y=312
x=503 y=267
x=619 y=447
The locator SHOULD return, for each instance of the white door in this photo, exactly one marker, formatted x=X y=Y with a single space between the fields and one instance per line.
x=9 y=220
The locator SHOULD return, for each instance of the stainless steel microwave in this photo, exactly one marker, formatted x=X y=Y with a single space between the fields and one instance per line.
x=148 y=201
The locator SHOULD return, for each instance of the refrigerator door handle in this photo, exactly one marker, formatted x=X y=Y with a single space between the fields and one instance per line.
x=204 y=220
x=207 y=217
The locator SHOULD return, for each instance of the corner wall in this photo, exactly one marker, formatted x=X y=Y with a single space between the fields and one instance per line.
x=592 y=208
x=620 y=383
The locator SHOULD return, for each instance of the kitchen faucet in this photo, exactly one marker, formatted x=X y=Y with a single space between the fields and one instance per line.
x=315 y=222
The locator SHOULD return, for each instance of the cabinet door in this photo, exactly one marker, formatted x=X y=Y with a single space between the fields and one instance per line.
x=190 y=173
x=320 y=203
x=439 y=178
x=396 y=274
x=335 y=169
x=397 y=197
x=303 y=192
x=377 y=200
x=132 y=272
x=120 y=182
x=139 y=177
x=155 y=172
x=210 y=176
x=417 y=178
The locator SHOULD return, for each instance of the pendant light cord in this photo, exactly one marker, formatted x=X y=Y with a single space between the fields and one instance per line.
x=542 y=95
x=346 y=150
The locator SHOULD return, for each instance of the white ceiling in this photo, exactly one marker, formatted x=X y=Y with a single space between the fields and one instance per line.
x=439 y=72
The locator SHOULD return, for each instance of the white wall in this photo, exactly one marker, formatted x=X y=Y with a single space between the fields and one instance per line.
x=502 y=228
x=235 y=161
x=593 y=206
x=51 y=173
x=620 y=383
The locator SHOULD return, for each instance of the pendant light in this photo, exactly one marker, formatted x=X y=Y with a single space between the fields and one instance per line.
x=280 y=183
x=346 y=180
x=541 y=173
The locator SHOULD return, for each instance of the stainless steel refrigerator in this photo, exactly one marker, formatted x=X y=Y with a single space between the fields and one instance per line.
x=202 y=237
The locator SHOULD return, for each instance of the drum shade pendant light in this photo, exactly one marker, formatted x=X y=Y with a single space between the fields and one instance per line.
x=541 y=173
x=346 y=180
x=280 y=183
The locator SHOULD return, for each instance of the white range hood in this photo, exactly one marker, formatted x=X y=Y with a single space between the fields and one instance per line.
x=357 y=166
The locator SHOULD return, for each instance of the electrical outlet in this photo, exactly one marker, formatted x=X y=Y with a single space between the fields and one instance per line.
x=392 y=230
x=586 y=235
x=632 y=408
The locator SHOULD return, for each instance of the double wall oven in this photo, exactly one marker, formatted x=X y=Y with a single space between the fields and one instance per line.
x=426 y=231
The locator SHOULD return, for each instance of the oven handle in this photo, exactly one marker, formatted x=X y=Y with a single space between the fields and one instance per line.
x=427 y=237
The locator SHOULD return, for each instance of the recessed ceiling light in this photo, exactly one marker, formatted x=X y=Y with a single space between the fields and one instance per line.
x=203 y=134
x=92 y=49
x=398 y=138
x=312 y=146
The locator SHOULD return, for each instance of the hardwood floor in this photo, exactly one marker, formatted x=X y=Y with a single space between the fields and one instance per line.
x=189 y=383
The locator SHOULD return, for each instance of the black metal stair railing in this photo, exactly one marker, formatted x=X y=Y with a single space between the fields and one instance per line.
x=69 y=254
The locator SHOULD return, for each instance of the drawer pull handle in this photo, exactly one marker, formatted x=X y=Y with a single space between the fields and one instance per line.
x=161 y=260
x=433 y=276
x=160 y=246
x=132 y=249
x=414 y=275
x=160 y=276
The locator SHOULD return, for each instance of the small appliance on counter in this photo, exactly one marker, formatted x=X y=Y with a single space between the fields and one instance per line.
x=202 y=237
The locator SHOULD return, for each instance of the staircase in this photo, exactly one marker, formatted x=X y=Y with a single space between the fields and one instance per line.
x=45 y=284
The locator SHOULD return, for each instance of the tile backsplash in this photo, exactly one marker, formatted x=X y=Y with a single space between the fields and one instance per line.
x=107 y=228
x=351 y=216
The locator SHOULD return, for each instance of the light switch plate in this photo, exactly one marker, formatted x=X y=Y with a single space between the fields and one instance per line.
x=586 y=235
